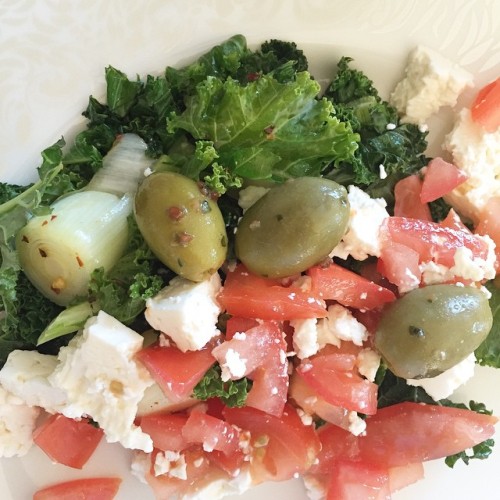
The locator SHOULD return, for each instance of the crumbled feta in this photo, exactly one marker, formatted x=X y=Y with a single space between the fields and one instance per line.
x=363 y=232
x=315 y=489
x=446 y=383
x=186 y=311
x=102 y=380
x=17 y=422
x=431 y=81
x=340 y=324
x=25 y=374
x=234 y=367
x=222 y=487
x=170 y=463
x=250 y=195
x=305 y=337
x=476 y=153
x=368 y=362
x=357 y=425
x=305 y=417
x=466 y=266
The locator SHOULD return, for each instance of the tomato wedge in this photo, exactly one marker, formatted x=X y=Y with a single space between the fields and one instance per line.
x=348 y=288
x=408 y=199
x=95 y=488
x=485 y=109
x=440 y=178
x=400 y=265
x=282 y=446
x=176 y=372
x=67 y=441
x=431 y=240
x=250 y=296
x=165 y=430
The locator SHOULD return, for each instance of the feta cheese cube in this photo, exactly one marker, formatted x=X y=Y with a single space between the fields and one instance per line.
x=102 y=380
x=17 y=422
x=305 y=337
x=340 y=324
x=234 y=366
x=25 y=374
x=366 y=215
x=186 y=311
x=443 y=385
x=368 y=362
x=476 y=153
x=431 y=81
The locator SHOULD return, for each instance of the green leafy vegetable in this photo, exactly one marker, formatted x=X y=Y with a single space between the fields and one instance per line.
x=267 y=129
x=398 y=148
x=233 y=392
x=488 y=353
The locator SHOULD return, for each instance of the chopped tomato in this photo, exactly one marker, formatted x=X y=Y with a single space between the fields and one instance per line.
x=400 y=265
x=262 y=354
x=406 y=433
x=355 y=480
x=489 y=223
x=95 y=488
x=333 y=377
x=213 y=433
x=453 y=221
x=282 y=446
x=236 y=324
x=407 y=199
x=485 y=109
x=313 y=404
x=348 y=288
x=440 y=178
x=176 y=372
x=250 y=296
x=431 y=240
x=68 y=441
x=165 y=430
x=403 y=475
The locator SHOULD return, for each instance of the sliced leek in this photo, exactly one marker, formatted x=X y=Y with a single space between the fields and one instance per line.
x=85 y=230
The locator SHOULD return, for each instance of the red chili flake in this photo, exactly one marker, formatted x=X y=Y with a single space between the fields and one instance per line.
x=58 y=285
x=269 y=132
x=80 y=261
x=176 y=213
x=25 y=239
x=45 y=222
x=52 y=217
x=251 y=77
x=205 y=191
x=183 y=239
x=42 y=252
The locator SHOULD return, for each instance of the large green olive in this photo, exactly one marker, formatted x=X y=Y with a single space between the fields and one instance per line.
x=181 y=224
x=433 y=328
x=292 y=227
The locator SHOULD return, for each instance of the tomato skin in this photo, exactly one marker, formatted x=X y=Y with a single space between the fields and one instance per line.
x=440 y=178
x=431 y=240
x=212 y=432
x=400 y=265
x=485 y=109
x=96 y=488
x=67 y=441
x=354 y=480
x=407 y=196
x=348 y=288
x=176 y=372
x=165 y=430
x=333 y=377
x=277 y=457
x=236 y=324
x=263 y=350
x=407 y=433
x=250 y=296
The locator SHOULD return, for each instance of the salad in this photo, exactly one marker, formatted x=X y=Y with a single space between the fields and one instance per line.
x=230 y=256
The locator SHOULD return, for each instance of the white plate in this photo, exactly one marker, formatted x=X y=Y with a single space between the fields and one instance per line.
x=52 y=57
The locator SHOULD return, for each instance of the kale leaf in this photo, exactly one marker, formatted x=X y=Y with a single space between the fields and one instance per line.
x=232 y=393
x=399 y=148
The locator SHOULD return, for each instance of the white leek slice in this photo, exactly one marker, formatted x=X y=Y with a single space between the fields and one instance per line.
x=84 y=231
x=123 y=167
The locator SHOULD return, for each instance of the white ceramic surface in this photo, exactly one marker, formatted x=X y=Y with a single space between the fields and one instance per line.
x=52 y=57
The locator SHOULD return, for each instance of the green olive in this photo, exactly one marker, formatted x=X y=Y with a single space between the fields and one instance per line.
x=181 y=224
x=292 y=227
x=431 y=329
